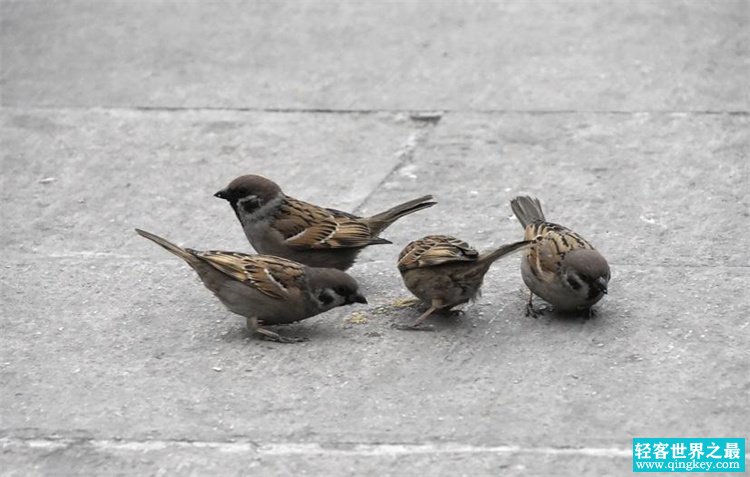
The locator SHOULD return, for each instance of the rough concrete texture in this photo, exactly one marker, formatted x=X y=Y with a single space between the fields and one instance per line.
x=578 y=55
x=629 y=121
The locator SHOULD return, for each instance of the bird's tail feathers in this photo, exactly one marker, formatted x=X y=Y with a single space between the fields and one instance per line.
x=381 y=221
x=175 y=249
x=490 y=257
x=527 y=209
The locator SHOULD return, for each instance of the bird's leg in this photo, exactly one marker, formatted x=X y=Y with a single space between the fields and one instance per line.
x=425 y=315
x=436 y=305
x=254 y=327
x=530 y=311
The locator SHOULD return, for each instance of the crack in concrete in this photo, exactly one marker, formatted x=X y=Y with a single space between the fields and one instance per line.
x=407 y=152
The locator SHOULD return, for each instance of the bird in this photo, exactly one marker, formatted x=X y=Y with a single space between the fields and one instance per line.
x=277 y=224
x=444 y=271
x=267 y=290
x=561 y=267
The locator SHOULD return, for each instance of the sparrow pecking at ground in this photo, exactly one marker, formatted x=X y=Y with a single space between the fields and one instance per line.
x=444 y=271
x=276 y=224
x=267 y=290
x=561 y=267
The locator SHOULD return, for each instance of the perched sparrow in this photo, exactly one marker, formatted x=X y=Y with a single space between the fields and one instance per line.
x=277 y=224
x=561 y=266
x=267 y=290
x=445 y=271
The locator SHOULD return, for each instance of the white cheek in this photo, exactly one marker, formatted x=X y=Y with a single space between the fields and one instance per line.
x=246 y=199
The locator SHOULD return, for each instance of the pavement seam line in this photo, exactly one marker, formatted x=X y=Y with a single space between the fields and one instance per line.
x=292 y=448
x=737 y=112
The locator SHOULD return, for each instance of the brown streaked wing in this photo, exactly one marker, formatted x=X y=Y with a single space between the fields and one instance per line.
x=350 y=233
x=435 y=250
x=274 y=276
x=305 y=225
x=230 y=263
x=295 y=216
x=270 y=275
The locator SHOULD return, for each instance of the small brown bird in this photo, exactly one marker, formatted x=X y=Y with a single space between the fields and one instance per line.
x=561 y=266
x=444 y=271
x=267 y=290
x=276 y=224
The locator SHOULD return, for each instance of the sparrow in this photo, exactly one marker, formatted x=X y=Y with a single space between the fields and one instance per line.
x=267 y=290
x=444 y=271
x=561 y=267
x=276 y=224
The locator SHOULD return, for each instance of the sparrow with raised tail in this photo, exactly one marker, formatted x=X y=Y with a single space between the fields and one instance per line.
x=276 y=224
x=444 y=271
x=267 y=290
x=561 y=267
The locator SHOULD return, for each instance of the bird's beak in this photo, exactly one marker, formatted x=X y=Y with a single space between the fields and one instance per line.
x=358 y=298
x=222 y=194
x=601 y=283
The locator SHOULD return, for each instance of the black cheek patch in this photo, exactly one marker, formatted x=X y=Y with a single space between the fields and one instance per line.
x=573 y=283
x=325 y=298
x=251 y=206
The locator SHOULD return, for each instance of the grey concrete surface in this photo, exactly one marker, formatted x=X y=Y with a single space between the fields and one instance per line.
x=580 y=55
x=628 y=120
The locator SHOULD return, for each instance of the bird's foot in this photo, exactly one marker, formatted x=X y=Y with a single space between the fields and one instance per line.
x=532 y=312
x=269 y=335
x=412 y=327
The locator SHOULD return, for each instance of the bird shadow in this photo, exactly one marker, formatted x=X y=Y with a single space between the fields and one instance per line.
x=438 y=320
x=566 y=318
x=303 y=331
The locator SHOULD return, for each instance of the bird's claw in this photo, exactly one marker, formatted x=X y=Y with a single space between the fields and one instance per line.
x=412 y=327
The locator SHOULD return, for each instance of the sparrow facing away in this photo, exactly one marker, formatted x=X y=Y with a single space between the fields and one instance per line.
x=561 y=267
x=276 y=224
x=267 y=290
x=444 y=271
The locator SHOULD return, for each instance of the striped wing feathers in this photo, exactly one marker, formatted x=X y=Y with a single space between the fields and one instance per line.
x=435 y=250
x=273 y=276
x=307 y=226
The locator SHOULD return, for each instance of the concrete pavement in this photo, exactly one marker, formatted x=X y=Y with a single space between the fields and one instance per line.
x=629 y=121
